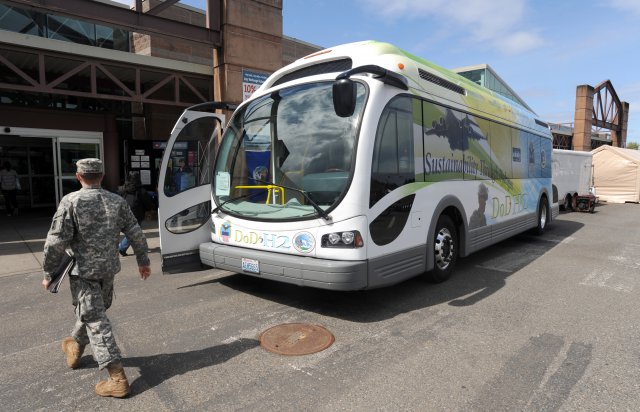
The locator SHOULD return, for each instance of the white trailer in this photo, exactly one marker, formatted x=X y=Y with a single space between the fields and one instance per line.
x=571 y=174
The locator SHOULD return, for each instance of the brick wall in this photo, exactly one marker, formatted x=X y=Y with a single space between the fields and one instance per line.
x=159 y=46
x=243 y=13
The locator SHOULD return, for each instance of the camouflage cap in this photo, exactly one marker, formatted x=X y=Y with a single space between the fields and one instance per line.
x=89 y=166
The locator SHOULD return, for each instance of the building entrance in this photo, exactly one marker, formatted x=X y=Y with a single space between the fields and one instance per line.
x=69 y=151
x=32 y=158
x=45 y=162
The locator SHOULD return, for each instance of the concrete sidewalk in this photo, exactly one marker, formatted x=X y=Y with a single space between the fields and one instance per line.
x=22 y=241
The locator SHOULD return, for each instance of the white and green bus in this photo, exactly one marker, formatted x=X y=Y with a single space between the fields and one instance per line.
x=356 y=167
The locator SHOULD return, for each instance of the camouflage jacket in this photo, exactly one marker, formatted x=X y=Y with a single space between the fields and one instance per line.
x=89 y=222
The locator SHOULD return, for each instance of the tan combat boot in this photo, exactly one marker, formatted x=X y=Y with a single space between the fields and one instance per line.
x=117 y=385
x=73 y=350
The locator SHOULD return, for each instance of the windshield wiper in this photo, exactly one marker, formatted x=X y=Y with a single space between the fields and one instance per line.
x=236 y=198
x=318 y=209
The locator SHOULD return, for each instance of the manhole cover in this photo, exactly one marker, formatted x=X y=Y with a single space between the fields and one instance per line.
x=296 y=339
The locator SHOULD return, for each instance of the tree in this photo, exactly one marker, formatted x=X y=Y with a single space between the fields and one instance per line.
x=632 y=145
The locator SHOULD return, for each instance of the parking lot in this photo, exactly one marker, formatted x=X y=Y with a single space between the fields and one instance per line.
x=532 y=323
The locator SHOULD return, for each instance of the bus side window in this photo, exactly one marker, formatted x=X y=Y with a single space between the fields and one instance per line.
x=501 y=151
x=519 y=154
x=393 y=160
x=545 y=155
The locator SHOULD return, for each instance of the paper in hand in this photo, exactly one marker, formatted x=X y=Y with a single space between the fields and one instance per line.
x=63 y=269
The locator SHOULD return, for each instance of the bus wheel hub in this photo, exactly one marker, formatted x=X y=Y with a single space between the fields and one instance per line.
x=443 y=248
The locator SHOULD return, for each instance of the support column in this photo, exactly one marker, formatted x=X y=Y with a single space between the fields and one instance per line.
x=583 y=118
x=251 y=39
x=110 y=143
x=619 y=139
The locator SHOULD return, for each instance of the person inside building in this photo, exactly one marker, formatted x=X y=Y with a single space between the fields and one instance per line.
x=139 y=202
x=88 y=223
x=183 y=176
x=10 y=186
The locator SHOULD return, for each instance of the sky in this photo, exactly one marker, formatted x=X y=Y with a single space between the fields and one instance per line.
x=543 y=49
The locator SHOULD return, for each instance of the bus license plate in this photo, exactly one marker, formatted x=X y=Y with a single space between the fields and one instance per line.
x=250 y=265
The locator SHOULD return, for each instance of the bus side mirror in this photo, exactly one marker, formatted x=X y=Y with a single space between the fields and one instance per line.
x=344 y=97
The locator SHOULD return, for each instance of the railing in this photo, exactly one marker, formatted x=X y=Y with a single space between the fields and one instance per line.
x=269 y=189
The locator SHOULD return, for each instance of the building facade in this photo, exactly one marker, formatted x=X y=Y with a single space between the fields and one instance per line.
x=72 y=88
x=485 y=76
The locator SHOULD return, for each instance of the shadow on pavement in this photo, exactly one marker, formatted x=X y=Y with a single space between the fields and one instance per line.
x=156 y=369
x=476 y=277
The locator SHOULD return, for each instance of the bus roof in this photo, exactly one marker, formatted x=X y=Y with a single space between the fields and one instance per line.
x=421 y=74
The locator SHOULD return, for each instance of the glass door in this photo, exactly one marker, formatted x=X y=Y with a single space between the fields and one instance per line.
x=41 y=172
x=69 y=151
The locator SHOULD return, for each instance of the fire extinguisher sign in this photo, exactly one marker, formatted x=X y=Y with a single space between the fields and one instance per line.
x=251 y=81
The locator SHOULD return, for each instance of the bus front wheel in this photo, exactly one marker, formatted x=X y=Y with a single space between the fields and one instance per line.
x=445 y=250
x=543 y=216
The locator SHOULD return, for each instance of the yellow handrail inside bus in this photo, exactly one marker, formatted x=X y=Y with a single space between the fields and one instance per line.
x=269 y=189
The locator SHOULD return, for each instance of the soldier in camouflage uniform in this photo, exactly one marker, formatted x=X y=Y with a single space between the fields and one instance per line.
x=88 y=222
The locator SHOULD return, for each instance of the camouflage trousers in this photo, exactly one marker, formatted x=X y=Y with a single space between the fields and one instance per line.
x=91 y=299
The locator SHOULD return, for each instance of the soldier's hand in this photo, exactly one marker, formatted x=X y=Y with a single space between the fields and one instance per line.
x=45 y=283
x=145 y=271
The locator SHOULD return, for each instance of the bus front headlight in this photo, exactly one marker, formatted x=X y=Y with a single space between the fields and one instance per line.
x=347 y=239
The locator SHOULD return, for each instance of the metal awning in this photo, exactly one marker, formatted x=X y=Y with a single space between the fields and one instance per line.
x=101 y=74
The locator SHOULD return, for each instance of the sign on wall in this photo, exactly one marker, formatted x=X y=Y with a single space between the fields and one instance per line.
x=251 y=81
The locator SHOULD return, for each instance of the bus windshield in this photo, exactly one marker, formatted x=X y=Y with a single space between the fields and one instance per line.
x=287 y=155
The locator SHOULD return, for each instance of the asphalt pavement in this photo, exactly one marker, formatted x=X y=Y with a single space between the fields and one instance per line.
x=533 y=323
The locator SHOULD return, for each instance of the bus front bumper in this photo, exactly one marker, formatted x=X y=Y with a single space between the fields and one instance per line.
x=297 y=270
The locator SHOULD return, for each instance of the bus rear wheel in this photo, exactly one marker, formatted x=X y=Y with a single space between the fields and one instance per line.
x=445 y=250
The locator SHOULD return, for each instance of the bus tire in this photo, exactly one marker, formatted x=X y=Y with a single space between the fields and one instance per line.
x=543 y=216
x=566 y=206
x=445 y=250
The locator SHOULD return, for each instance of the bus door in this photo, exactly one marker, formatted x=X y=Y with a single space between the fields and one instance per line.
x=184 y=188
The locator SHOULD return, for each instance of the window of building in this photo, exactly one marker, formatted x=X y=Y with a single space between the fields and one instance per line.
x=476 y=76
x=71 y=30
x=112 y=38
x=62 y=28
x=21 y=21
